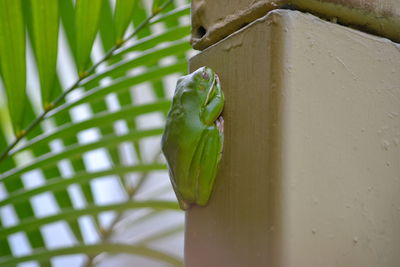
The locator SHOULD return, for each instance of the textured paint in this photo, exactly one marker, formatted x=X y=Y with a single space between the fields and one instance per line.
x=310 y=174
x=214 y=20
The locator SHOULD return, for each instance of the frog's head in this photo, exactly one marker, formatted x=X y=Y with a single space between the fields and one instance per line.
x=207 y=84
x=199 y=89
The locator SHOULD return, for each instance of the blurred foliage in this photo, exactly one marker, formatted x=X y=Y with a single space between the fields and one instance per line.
x=118 y=50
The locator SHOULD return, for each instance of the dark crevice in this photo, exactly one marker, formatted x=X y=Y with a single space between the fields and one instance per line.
x=200 y=32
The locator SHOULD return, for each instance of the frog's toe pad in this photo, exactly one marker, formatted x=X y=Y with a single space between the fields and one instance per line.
x=184 y=205
x=220 y=124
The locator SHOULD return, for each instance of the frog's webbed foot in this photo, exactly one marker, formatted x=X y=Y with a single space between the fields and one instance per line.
x=220 y=125
x=183 y=204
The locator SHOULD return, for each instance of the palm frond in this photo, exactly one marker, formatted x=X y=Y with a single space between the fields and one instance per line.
x=117 y=61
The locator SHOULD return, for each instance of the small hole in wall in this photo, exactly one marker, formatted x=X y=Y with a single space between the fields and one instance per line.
x=200 y=32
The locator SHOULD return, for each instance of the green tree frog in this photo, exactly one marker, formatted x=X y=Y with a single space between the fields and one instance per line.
x=193 y=137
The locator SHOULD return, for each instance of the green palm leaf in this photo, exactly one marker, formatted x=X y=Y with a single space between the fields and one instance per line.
x=45 y=39
x=123 y=14
x=86 y=26
x=47 y=141
x=12 y=60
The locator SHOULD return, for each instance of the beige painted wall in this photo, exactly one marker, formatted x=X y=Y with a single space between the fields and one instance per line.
x=310 y=174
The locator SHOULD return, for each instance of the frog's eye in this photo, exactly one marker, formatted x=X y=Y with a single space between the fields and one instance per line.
x=205 y=75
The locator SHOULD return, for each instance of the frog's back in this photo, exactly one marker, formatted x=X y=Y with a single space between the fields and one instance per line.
x=180 y=140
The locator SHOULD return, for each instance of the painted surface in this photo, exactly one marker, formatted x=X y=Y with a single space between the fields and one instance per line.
x=311 y=169
x=214 y=20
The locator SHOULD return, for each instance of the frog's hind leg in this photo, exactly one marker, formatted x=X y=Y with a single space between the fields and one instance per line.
x=210 y=157
x=182 y=203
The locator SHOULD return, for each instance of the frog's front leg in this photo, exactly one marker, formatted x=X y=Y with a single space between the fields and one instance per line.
x=214 y=108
